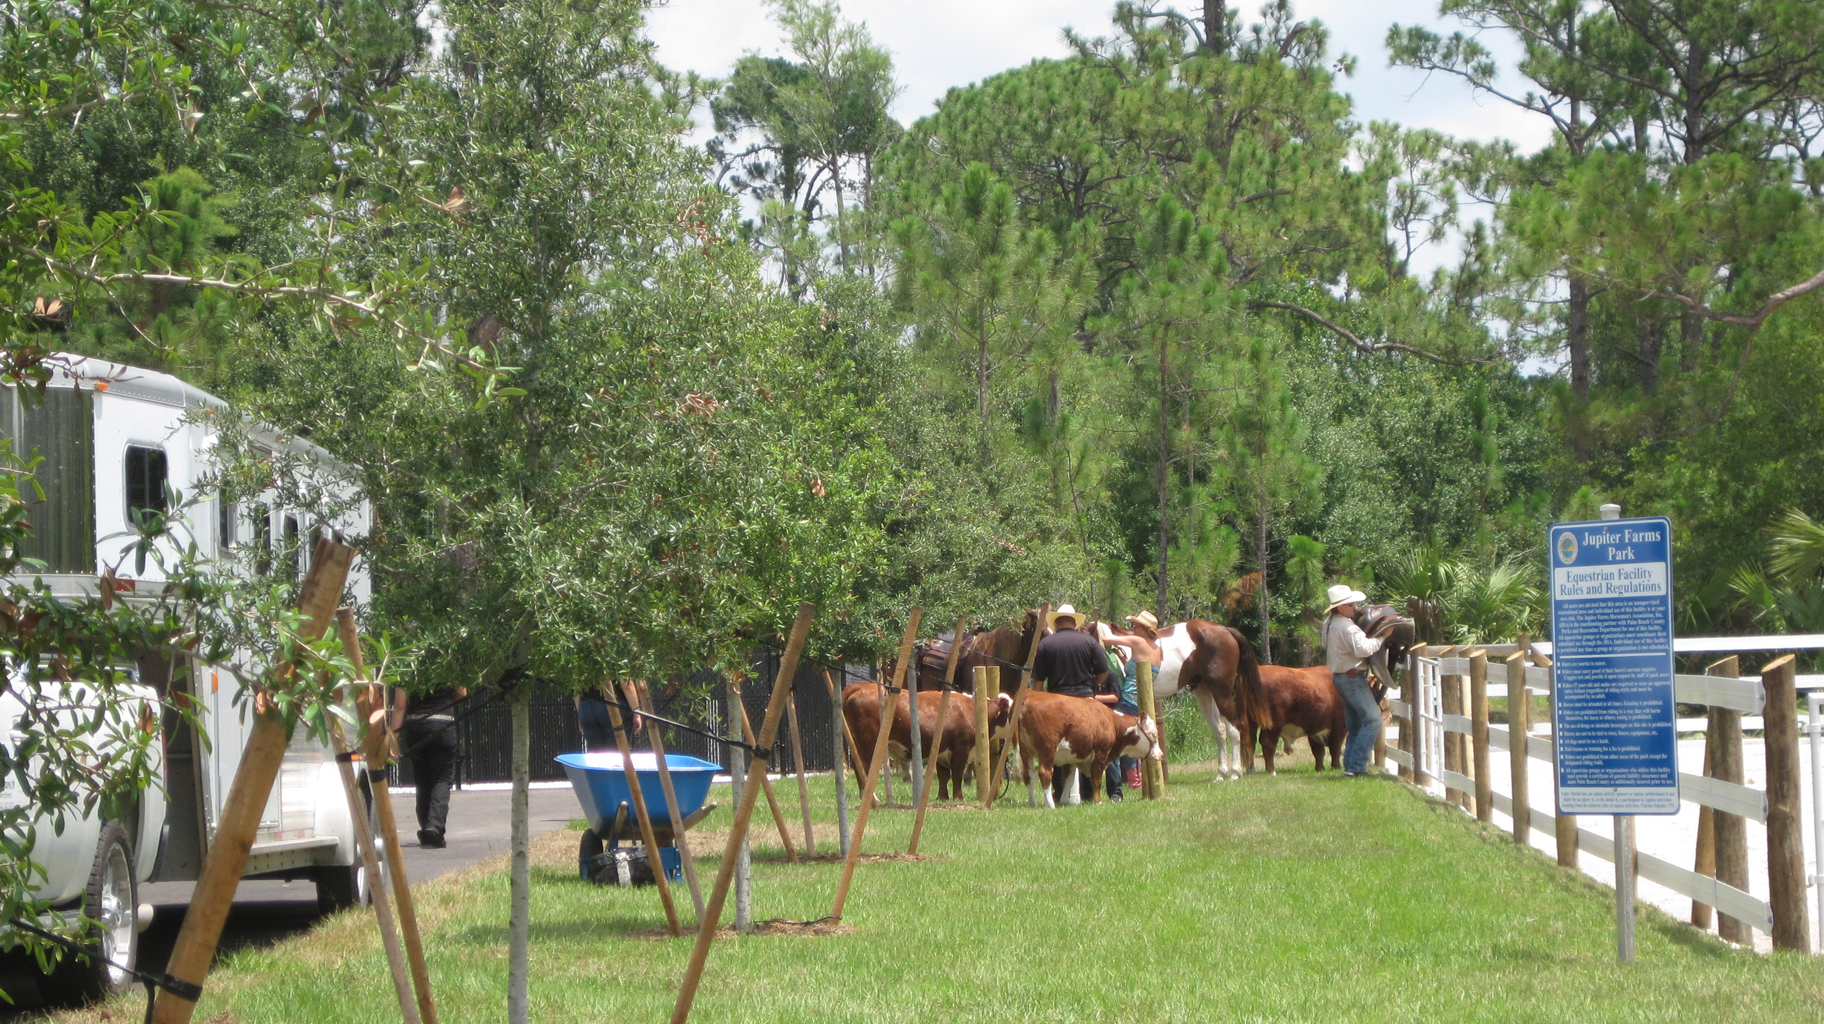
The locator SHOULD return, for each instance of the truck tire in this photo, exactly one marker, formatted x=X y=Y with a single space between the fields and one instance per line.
x=339 y=887
x=111 y=899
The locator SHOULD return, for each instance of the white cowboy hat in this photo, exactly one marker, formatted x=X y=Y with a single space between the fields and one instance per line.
x=1064 y=611
x=1343 y=593
x=1144 y=619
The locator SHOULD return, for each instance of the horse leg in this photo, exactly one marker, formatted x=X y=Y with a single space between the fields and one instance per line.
x=1232 y=735
x=1212 y=715
x=1269 y=746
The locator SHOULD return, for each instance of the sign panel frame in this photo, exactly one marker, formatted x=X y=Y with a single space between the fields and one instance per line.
x=1614 y=717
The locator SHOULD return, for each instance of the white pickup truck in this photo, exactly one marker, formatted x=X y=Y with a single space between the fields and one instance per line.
x=110 y=438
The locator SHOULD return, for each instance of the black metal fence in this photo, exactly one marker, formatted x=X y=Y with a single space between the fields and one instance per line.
x=485 y=728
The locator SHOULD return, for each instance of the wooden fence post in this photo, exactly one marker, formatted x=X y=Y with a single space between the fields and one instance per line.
x=987 y=684
x=1519 y=728
x=1564 y=826
x=937 y=735
x=1785 y=844
x=1152 y=786
x=1704 y=862
x=239 y=824
x=744 y=810
x=1730 y=830
x=1478 y=715
x=878 y=765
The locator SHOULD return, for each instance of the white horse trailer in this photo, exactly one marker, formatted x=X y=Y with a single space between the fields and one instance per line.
x=111 y=438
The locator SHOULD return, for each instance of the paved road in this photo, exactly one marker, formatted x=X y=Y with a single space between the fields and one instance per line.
x=265 y=912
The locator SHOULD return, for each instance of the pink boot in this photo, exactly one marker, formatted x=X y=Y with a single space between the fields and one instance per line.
x=1133 y=777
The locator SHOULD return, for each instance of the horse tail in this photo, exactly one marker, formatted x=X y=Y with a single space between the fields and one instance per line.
x=1251 y=696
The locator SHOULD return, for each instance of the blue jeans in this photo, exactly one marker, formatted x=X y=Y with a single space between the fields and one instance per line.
x=1361 y=718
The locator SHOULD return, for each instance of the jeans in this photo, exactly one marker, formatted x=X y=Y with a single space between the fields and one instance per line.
x=1119 y=767
x=432 y=749
x=1361 y=718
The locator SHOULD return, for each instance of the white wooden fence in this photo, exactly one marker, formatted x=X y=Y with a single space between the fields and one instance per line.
x=1446 y=738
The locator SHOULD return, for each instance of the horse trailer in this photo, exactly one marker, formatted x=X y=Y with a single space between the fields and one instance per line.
x=110 y=438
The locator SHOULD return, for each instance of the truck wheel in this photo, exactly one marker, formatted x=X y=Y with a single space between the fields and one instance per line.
x=111 y=900
x=339 y=888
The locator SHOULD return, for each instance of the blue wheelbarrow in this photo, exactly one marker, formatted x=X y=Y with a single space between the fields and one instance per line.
x=600 y=783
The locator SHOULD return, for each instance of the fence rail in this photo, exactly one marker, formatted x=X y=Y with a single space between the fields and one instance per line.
x=1444 y=738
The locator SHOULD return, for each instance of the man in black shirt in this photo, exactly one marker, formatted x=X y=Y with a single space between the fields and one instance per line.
x=1072 y=663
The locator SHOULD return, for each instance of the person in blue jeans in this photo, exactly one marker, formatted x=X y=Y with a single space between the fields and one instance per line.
x=1346 y=650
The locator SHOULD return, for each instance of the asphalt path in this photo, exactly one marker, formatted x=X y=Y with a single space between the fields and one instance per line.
x=266 y=912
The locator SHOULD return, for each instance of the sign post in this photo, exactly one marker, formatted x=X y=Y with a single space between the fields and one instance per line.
x=1614 y=723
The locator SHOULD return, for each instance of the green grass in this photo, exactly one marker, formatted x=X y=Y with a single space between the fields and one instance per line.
x=1295 y=898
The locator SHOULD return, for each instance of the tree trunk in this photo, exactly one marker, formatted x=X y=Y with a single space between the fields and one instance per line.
x=981 y=386
x=1652 y=342
x=1215 y=17
x=520 y=919
x=1163 y=479
x=1577 y=336
x=737 y=774
x=1261 y=596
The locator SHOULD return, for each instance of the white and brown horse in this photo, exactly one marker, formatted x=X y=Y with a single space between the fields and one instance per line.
x=1213 y=662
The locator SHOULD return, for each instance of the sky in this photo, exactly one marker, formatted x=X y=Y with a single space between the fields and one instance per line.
x=939 y=44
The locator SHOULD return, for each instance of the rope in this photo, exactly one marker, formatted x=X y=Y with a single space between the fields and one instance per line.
x=184 y=990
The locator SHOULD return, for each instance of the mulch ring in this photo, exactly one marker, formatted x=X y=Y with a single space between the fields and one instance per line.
x=775 y=926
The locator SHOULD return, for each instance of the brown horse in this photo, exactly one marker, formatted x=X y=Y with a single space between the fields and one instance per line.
x=1004 y=647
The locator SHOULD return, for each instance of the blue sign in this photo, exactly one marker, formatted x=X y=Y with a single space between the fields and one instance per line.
x=1614 y=723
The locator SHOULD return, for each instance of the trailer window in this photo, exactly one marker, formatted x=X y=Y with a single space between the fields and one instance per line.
x=224 y=524
x=262 y=539
x=145 y=480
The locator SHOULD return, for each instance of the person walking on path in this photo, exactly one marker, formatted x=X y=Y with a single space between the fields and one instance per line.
x=1070 y=662
x=1346 y=649
x=426 y=724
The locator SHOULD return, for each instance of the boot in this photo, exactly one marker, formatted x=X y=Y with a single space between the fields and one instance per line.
x=1133 y=777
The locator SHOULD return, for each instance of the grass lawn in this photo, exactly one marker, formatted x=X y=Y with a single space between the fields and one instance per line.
x=1295 y=898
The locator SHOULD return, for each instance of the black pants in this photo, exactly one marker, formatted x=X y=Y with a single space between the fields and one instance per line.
x=598 y=730
x=433 y=753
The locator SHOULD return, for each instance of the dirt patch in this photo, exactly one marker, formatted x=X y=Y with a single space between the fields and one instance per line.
x=776 y=926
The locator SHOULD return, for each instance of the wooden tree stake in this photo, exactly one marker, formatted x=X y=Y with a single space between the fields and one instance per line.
x=1152 y=781
x=376 y=879
x=744 y=810
x=239 y=824
x=937 y=734
x=639 y=698
x=1019 y=709
x=804 y=788
x=370 y=701
x=623 y=738
x=877 y=766
x=766 y=785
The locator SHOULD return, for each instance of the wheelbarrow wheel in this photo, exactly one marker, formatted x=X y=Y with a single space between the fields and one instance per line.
x=590 y=848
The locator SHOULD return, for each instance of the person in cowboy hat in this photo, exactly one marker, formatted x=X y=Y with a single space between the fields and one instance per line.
x=1070 y=662
x=1346 y=649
